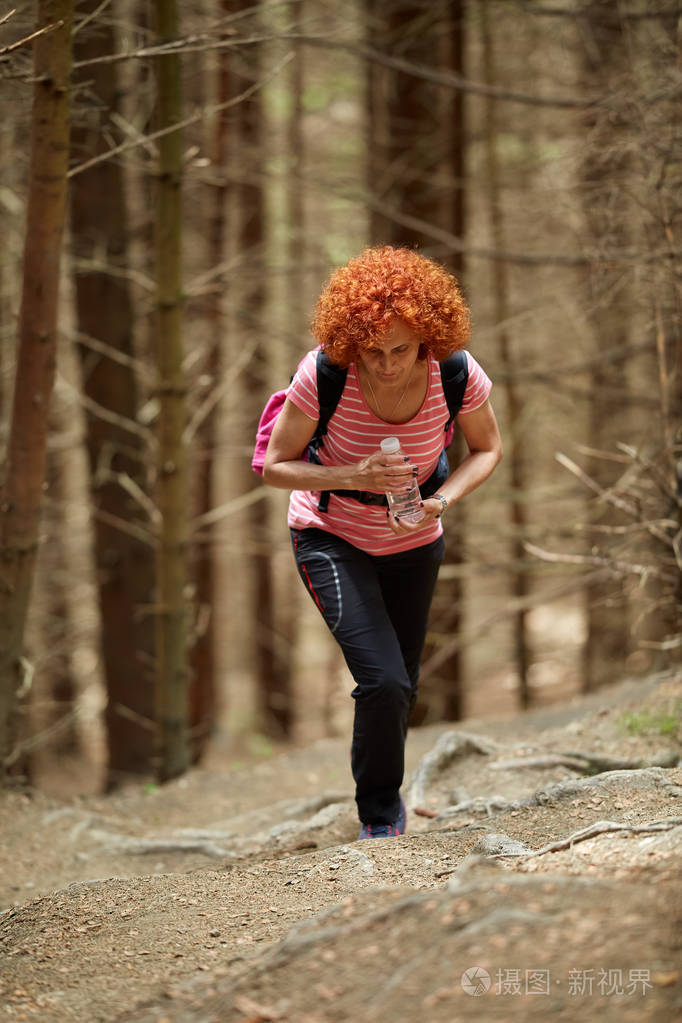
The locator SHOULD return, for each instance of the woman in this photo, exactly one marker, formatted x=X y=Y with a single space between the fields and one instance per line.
x=390 y=316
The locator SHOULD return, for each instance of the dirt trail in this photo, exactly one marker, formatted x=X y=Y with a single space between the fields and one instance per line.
x=242 y=895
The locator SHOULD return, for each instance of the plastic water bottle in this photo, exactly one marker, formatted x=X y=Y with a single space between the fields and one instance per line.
x=406 y=504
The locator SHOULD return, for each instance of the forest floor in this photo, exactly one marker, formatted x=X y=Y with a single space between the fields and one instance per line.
x=241 y=895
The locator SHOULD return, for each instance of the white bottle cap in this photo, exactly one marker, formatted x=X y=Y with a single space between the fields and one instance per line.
x=390 y=445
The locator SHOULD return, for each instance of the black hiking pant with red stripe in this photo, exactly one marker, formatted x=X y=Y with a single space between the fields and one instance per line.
x=377 y=608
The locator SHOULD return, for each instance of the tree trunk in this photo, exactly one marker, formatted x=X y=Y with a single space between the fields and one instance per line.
x=295 y=199
x=60 y=684
x=416 y=166
x=272 y=680
x=203 y=695
x=406 y=121
x=21 y=497
x=501 y=289
x=5 y=291
x=375 y=125
x=290 y=592
x=660 y=616
x=116 y=453
x=605 y=57
x=171 y=567
x=451 y=672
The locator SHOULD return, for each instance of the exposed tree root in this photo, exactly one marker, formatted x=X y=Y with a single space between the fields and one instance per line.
x=554 y=792
x=449 y=747
x=224 y=843
x=599 y=828
x=587 y=763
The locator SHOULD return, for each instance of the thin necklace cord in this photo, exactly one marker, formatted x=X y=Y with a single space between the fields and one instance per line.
x=376 y=400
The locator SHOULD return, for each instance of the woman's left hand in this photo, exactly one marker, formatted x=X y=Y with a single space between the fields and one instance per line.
x=432 y=508
x=485 y=450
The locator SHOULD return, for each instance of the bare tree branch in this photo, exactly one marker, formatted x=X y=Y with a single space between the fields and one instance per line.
x=457 y=244
x=28 y=39
x=205 y=41
x=106 y=414
x=610 y=497
x=123 y=272
x=575 y=13
x=194 y=119
x=104 y=475
x=512 y=607
x=91 y=16
x=229 y=508
x=95 y=345
x=42 y=738
x=138 y=531
x=654 y=472
x=596 y=560
x=217 y=392
x=445 y=78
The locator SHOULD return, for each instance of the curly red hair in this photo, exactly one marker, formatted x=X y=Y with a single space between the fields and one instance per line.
x=362 y=298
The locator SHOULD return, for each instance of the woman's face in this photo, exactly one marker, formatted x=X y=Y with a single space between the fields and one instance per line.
x=392 y=356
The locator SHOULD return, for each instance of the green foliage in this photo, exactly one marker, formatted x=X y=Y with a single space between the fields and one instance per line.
x=260 y=745
x=649 y=722
x=320 y=93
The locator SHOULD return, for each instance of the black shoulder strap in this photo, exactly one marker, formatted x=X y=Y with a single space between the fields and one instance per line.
x=454 y=373
x=331 y=381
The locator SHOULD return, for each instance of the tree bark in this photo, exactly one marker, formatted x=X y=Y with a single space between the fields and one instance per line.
x=501 y=289
x=298 y=251
x=171 y=567
x=104 y=309
x=405 y=119
x=660 y=610
x=21 y=497
x=452 y=672
x=203 y=691
x=605 y=58
x=273 y=684
x=59 y=685
x=416 y=140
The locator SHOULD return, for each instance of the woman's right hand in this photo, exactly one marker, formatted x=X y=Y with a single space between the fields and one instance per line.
x=284 y=466
x=380 y=472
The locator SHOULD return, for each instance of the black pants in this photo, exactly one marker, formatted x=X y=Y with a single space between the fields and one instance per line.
x=377 y=609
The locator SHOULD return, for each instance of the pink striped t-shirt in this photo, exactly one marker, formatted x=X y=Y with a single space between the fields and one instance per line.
x=354 y=432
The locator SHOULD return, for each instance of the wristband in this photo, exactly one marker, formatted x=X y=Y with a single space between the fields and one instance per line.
x=443 y=501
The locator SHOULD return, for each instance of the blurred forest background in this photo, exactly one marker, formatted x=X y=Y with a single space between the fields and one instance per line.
x=201 y=170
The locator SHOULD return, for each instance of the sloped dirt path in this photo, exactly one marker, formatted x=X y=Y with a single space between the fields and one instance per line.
x=243 y=896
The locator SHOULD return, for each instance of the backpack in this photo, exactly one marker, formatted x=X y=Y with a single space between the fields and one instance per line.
x=331 y=380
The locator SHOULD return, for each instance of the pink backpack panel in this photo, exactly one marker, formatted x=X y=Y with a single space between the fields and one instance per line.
x=266 y=423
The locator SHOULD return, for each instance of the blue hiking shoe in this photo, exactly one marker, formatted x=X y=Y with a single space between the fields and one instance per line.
x=401 y=823
x=386 y=830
